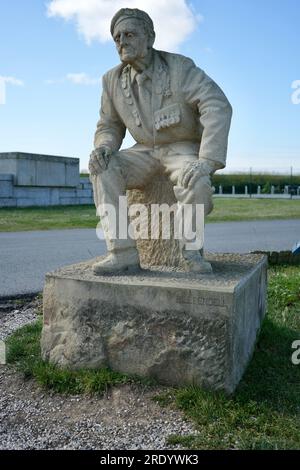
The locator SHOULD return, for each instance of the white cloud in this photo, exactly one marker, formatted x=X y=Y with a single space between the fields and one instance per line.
x=3 y=82
x=82 y=79
x=11 y=81
x=76 y=78
x=173 y=20
x=53 y=81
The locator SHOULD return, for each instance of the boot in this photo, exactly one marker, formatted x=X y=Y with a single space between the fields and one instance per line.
x=195 y=262
x=124 y=260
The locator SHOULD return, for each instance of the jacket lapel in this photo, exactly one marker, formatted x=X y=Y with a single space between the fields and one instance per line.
x=160 y=82
x=128 y=95
x=160 y=87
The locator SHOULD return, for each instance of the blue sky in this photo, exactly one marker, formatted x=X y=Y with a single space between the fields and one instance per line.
x=249 y=47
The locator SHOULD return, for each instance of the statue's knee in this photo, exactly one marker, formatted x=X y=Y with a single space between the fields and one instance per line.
x=202 y=193
x=113 y=168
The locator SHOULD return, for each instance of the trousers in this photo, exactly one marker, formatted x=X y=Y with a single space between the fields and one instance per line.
x=134 y=168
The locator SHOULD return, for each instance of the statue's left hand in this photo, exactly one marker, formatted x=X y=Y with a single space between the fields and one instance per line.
x=193 y=171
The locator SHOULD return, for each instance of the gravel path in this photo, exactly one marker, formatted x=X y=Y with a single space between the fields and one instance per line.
x=17 y=313
x=125 y=417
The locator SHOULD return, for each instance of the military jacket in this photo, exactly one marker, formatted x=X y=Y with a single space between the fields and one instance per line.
x=186 y=106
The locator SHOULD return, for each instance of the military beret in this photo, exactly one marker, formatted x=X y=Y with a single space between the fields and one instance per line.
x=134 y=13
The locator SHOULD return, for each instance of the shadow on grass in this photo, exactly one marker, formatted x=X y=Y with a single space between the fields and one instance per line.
x=271 y=377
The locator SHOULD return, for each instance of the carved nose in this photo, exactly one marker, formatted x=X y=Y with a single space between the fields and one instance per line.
x=123 y=40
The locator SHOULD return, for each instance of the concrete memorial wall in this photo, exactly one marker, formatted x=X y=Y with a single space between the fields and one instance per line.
x=41 y=180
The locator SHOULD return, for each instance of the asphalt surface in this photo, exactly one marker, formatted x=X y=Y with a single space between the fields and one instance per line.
x=25 y=257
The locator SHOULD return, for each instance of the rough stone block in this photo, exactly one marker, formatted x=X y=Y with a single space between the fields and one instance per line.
x=180 y=328
x=157 y=251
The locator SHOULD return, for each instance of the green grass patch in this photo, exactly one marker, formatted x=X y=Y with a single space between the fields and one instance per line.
x=264 y=412
x=231 y=209
x=68 y=217
x=24 y=354
x=47 y=218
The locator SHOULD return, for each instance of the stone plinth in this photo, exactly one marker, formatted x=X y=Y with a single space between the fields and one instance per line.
x=176 y=327
x=40 y=170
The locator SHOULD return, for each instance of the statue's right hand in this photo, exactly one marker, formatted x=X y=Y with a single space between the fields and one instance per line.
x=99 y=160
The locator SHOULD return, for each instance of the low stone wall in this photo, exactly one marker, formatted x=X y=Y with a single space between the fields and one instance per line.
x=31 y=169
x=28 y=180
x=12 y=195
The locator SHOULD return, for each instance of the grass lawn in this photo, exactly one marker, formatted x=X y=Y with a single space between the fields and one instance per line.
x=47 y=218
x=62 y=217
x=230 y=209
x=264 y=412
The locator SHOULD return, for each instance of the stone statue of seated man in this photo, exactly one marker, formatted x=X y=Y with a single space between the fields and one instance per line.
x=180 y=120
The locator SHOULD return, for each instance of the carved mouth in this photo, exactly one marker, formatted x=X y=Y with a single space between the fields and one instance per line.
x=125 y=50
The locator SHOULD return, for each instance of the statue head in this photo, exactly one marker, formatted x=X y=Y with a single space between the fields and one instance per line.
x=133 y=33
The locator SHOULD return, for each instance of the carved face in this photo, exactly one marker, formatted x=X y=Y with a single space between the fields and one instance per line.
x=132 y=41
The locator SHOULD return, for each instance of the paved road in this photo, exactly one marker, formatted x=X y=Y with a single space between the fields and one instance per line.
x=25 y=257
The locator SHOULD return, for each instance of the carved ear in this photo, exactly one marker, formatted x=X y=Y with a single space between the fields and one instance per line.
x=151 y=40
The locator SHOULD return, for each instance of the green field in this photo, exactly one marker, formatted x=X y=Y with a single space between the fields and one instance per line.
x=63 y=217
x=264 y=411
x=264 y=180
x=230 y=209
x=47 y=218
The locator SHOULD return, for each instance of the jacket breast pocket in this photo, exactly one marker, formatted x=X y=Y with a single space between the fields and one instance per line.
x=170 y=116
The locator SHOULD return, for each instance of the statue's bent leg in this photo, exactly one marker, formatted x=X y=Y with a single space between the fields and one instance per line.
x=127 y=169
x=188 y=201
